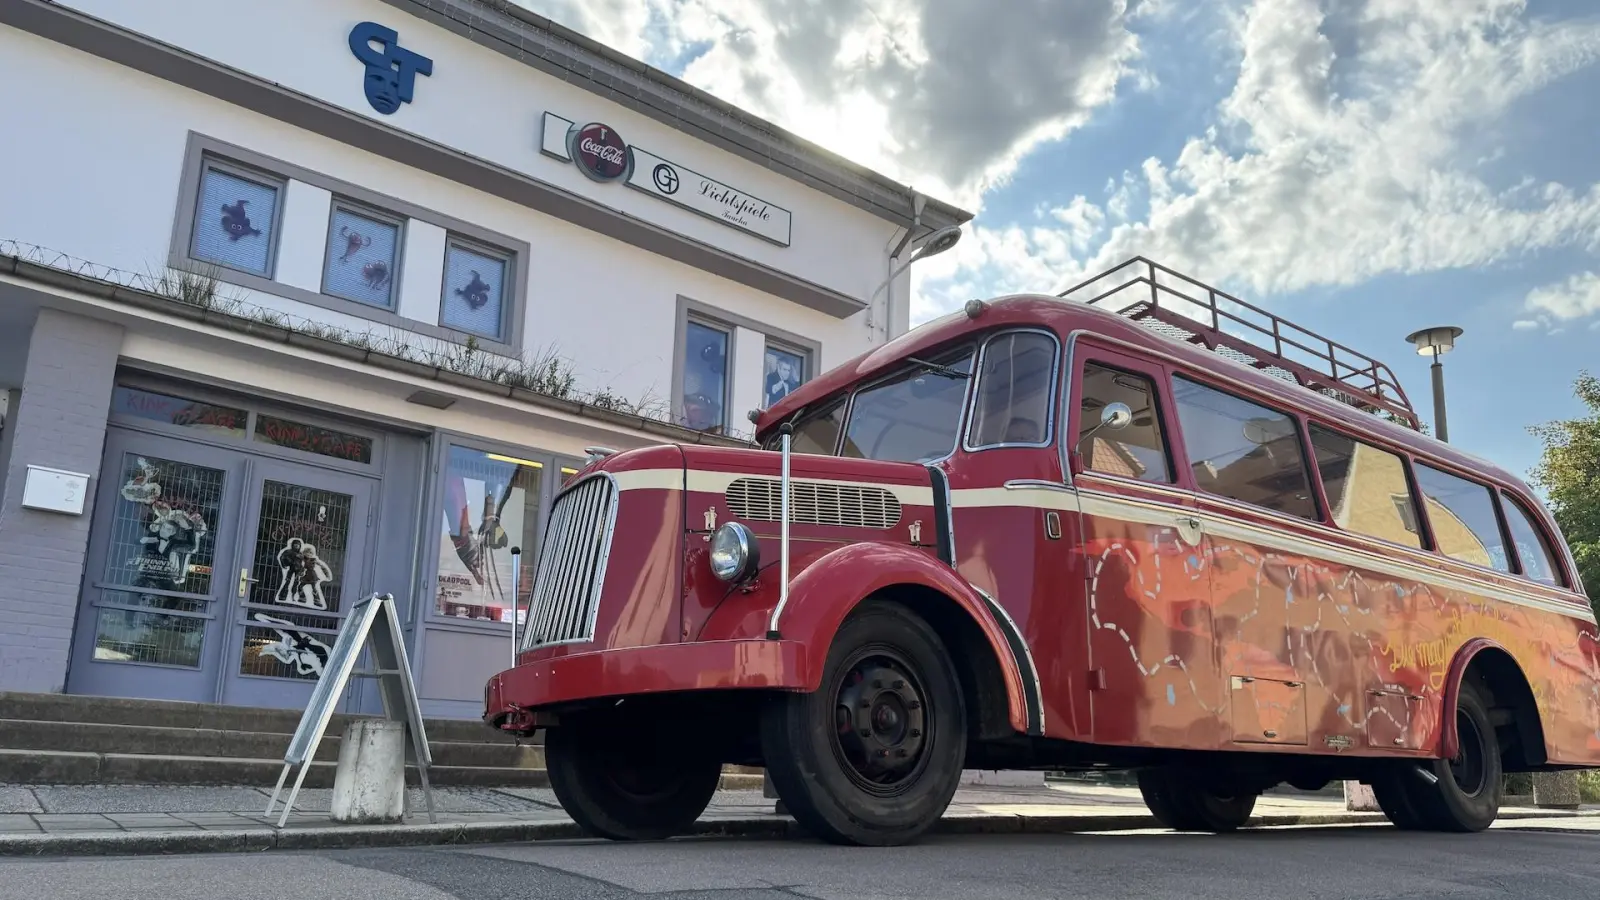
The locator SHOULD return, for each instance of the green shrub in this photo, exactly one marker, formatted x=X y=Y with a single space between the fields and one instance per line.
x=1589 y=785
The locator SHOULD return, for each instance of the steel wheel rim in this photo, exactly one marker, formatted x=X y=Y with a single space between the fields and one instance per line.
x=1467 y=769
x=881 y=738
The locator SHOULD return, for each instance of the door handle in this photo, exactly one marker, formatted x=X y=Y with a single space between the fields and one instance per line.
x=244 y=583
x=1189 y=529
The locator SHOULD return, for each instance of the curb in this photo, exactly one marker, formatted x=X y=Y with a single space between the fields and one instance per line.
x=158 y=843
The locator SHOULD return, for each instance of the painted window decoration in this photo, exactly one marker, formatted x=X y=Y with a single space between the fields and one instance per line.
x=313 y=439
x=363 y=258
x=491 y=504
x=705 y=377
x=785 y=371
x=234 y=220
x=211 y=418
x=1138 y=451
x=161 y=526
x=1462 y=517
x=474 y=292
x=297 y=564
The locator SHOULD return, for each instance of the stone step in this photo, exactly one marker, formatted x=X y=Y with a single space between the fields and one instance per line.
x=56 y=767
x=93 y=737
x=207 y=716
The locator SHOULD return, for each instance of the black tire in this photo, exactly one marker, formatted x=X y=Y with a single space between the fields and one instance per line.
x=628 y=783
x=1466 y=797
x=1396 y=801
x=1184 y=803
x=890 y=668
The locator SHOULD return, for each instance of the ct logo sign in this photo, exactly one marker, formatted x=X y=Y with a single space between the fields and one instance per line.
x=666 y=178
x=600 y=152
x=391 y=69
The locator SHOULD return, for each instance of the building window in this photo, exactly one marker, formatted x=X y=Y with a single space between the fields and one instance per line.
x=491 y=504
x=1015 y=387
x=235 y=218
x=914 y=416
x=211 y=418
x=1538 y=560
x=363 y=258
x=475 y=290
x=1462 y=517
x=313 y=439
x=1138 y=451
x=785 y=369
x=1367 y=489
x=704 y=391
x=1242 y=450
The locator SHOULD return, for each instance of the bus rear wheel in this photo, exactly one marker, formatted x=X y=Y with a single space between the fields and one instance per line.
x=1184 y=803
x=874 y=756
x=629 y=783
x=1460 y=794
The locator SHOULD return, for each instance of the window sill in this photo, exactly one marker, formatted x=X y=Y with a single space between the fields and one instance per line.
x=355 y=309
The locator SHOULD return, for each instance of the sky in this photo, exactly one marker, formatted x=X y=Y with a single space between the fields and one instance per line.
x=1363 y=168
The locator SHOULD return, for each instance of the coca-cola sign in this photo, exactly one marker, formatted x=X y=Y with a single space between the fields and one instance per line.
x=600 y=152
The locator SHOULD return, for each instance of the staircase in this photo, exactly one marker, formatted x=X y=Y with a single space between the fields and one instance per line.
x=67 y=739
x=63 y=739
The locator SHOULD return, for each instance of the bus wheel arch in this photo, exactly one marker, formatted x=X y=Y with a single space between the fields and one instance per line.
x=1505 y=689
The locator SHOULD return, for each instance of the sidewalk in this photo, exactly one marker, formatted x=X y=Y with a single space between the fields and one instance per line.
x=118 y=819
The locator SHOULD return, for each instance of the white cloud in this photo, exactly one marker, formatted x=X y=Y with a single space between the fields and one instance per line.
x=1338 y=155
x=945 y=94
x=1553 y=306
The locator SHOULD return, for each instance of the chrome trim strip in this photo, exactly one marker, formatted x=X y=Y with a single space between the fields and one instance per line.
x=1411 y=568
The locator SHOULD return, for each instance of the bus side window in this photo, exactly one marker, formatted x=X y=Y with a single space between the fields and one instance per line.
x=1367 y=488
x=1538 y=562
x=1138 y=451
x=1461 y=514
x=1015 y=386
x=1242 y=450
x=819 y=433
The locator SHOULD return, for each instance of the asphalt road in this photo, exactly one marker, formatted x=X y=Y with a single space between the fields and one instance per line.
x=1347 y=862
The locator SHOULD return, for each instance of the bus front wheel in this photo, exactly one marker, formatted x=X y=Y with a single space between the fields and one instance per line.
x=1184 y=803
x=629 y=783
x=873 y=757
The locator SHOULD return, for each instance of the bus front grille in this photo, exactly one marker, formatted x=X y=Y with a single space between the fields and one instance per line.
x=572 y=564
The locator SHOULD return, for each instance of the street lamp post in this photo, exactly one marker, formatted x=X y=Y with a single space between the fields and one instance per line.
x=1436 y=342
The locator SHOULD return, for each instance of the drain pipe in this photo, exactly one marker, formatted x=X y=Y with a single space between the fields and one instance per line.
x=918 y=203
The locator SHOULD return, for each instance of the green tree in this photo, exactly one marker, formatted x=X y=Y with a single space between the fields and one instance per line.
x=1569 y=474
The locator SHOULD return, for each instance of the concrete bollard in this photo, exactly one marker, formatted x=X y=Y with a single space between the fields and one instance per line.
x=1358 y=797
x=1556 y=790
x=369 y=786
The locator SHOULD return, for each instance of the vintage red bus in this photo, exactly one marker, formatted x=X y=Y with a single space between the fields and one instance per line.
x=1141 y=526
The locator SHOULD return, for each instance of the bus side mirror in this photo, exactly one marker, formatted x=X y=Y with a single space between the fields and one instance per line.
x=1115 y=416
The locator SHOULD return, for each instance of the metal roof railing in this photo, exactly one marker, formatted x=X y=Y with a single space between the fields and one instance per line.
x=1181 y=308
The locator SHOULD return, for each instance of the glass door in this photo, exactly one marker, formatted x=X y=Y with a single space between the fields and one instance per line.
x=149 y=623
x=304 y=557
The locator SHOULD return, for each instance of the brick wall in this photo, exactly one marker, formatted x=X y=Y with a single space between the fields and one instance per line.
x=60 y=422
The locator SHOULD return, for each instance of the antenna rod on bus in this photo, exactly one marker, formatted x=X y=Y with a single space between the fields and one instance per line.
x=516 y=570
x=787 y=431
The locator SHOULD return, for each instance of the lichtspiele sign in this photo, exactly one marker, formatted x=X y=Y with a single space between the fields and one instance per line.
x=661 y=178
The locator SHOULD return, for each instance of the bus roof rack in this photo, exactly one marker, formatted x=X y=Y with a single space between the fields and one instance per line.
x=1179 y=307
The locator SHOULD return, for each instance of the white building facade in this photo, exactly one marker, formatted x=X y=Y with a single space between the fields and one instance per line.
x=313 y=299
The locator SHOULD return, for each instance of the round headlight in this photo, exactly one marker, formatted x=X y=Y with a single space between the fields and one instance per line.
x=735 y=555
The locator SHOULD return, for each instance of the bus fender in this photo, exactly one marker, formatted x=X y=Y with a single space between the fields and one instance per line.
x=821 y=596
x=1449 y=741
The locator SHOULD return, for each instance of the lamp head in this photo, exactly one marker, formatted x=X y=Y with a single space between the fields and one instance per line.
x=1435 y=341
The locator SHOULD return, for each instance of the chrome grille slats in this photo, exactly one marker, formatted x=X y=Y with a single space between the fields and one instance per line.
x=572 y=563
x=814 y=503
